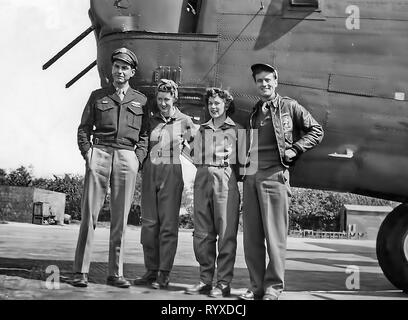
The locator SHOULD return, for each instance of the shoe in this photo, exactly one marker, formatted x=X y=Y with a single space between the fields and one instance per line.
x=200 y=288
x=271 y=296
x=221 y=290
x=80 y=280
x=147 y=279
x=162 y=281
x=119 y=282
x=249 y=295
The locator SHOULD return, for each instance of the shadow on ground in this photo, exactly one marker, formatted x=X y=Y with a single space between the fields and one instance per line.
x=296 y=280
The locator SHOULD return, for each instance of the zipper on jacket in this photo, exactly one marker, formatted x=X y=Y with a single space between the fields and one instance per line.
x=278 y=109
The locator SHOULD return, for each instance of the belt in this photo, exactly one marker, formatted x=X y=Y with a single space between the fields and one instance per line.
x=121 y=141
x=220 y=165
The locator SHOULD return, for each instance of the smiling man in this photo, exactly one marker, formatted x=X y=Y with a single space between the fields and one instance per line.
x=280 y=130
x=116 y=119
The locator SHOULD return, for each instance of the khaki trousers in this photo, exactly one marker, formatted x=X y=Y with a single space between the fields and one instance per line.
x=119 y=168
x=265 y=218
x=162 y=189
x=216 y=213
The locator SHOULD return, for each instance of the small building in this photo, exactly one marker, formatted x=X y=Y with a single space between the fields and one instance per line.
x=362 y=222
x=17 y=203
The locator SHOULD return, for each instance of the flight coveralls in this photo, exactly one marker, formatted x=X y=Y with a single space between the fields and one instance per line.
x=267 y=191
x=216 y=200
x=119 y=130
x=162 y=189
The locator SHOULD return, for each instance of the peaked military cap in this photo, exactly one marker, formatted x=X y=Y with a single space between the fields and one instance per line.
x=125 y=55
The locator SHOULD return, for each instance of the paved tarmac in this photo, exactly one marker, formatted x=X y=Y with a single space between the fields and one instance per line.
x=316 y=269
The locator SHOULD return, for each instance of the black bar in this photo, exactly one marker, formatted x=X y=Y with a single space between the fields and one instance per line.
x=68 y=47
x=81 y=74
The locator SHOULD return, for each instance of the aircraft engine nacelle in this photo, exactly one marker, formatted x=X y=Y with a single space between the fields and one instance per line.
x=163 y=35
x=143 y=15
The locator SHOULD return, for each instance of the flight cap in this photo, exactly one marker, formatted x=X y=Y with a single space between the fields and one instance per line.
x=125 y=55
x=257 y=67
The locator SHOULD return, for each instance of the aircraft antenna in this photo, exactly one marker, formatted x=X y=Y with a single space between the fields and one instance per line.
x=68 y=47
x=80 y=75
x=236 y=38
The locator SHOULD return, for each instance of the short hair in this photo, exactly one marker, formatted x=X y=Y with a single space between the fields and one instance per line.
x=166 y=85
x=224 y=95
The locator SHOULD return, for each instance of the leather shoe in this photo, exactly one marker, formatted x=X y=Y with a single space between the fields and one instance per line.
x=249 y=295
x=270 y=296
x=147 y=279
x=80 y=280
x=221 y=290
x=119 y=282
x=162 y=281
x=200 y=288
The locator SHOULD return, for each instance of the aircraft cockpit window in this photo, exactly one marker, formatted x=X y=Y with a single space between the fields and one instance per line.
x=303 y=9
x=189 y=16
x=305 y=3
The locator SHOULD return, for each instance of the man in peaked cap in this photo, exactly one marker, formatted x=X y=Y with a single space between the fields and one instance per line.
x=279 y=130
x=117 y=120
x=125 y=55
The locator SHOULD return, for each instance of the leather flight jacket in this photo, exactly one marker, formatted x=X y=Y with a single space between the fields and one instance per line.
x=115 y=123
x=295 y=128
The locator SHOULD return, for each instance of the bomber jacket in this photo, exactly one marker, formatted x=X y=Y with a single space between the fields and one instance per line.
x=112 y=122
x=295 y=128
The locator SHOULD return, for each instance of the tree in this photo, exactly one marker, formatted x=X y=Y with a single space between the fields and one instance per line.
x=320 y=210
x=3 y=177
x=71 y=185
x=20 y=177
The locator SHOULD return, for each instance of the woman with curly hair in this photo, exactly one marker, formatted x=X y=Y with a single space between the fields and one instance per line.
x=216 y=196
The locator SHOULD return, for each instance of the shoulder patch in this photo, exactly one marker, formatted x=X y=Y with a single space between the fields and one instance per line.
x=287 y=122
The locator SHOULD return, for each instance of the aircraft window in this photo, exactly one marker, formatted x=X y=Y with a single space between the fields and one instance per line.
x=190 y=16
x=305 y=3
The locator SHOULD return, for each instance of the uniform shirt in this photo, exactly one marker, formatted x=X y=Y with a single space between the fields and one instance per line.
x=216 y=146
x=115 y=123
x=169 y=136
x=124 y=90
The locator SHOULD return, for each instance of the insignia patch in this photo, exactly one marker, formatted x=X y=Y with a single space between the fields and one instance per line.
x=135 y=104
x=287 y=122
x=105 y=102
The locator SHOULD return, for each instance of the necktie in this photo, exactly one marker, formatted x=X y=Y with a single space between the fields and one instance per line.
x=120 y=94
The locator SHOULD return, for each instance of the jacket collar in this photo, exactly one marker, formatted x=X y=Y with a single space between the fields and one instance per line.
x=275 y=102
x=174 y=116
x=129 y=95
x=270 y=103
x=228 y=122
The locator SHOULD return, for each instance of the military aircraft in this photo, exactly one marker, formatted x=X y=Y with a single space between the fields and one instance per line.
x=345 y=61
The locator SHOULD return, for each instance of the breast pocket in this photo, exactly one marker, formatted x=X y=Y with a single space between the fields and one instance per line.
x=104 y=114
x=134 y=116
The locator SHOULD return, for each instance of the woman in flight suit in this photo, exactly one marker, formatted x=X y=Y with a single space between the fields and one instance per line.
x=216 y=196
x=163 y=185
